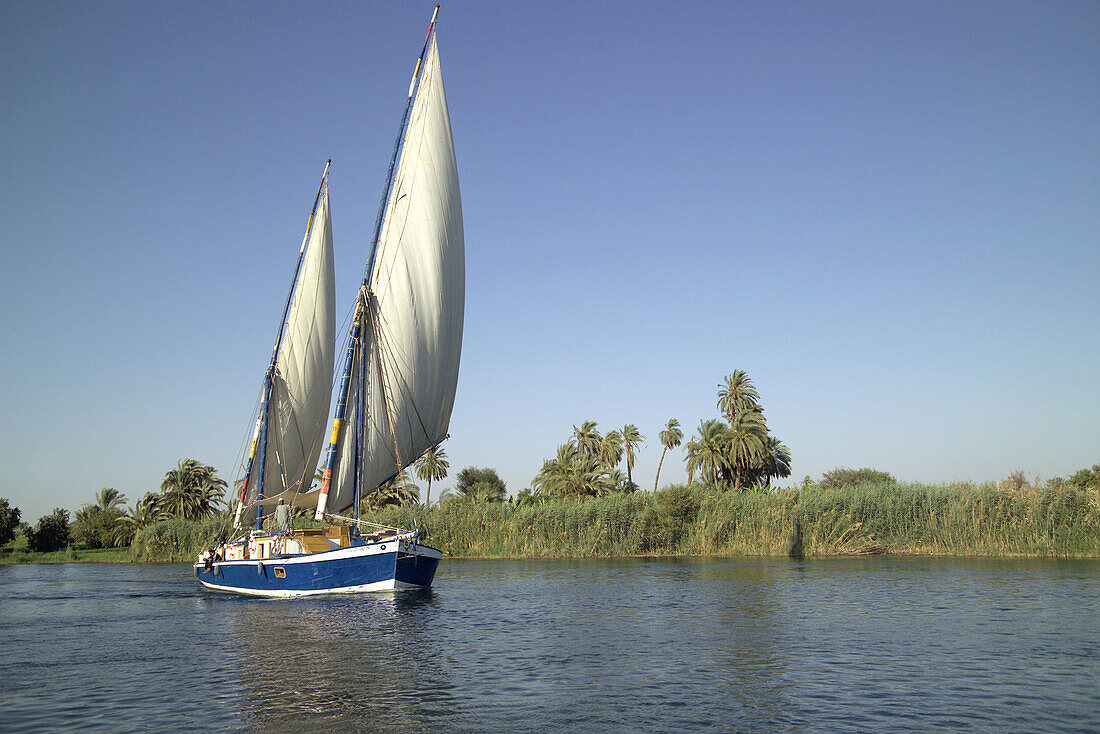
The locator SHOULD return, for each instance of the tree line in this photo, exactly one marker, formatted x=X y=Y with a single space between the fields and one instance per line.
x=731 y=452
x=190 y=491
x=734 y=451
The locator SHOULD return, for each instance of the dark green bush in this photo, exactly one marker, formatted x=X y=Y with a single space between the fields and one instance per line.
x=51 y=533
x=9 y=522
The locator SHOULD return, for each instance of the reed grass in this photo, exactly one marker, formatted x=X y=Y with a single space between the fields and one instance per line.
x=175 y=540
x=865 y=519
x=960 y=519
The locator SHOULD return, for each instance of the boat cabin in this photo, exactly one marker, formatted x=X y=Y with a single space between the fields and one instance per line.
x=263 y=545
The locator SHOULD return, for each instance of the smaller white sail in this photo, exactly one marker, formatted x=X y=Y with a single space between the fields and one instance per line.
x=302 y=382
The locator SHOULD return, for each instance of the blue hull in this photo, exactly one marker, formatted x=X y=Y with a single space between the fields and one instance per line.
x=376 y=567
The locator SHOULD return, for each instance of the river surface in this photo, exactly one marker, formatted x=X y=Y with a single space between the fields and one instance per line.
x=867 y=645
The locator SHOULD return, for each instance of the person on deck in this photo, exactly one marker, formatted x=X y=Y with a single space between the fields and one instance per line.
x=282 y=518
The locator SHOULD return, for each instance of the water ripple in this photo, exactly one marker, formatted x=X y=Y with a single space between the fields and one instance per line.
x=626 y=645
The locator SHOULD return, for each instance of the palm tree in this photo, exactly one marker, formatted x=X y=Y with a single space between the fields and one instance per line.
x=109 y=498
x=149 y=509
x=775 y=460
x=396 y=491
x=735 y=394
x=747 y=436
x=586 y=438
x=123 y=532
x=709 y=451
x=431 y=465
x=192 y=490
x=547 y=481
x=619 y=481
x=572 y=474
x=611 y=449
x=670 y=439
x=631 y=438
x=104 y=523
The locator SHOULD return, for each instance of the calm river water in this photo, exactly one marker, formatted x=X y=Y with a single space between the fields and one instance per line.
x=877 y=644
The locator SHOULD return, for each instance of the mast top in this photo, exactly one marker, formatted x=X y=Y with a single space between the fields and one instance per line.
x=435 y=14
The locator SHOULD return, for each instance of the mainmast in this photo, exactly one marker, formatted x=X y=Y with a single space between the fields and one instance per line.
x=362 y=311
x=259 y=433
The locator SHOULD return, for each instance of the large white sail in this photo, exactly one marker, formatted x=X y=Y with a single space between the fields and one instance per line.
x=302 y=384
x=412 y=334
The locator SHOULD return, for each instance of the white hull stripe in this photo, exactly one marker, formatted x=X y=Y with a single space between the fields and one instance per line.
x=388 y=585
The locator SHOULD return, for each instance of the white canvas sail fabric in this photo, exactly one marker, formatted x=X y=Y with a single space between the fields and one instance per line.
x=302 y=385
x=418 y=282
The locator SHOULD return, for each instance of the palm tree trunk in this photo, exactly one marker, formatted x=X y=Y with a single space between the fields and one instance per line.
x=662 y=461
x=428 y=496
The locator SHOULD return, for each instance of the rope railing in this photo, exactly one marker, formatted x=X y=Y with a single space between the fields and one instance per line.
x=366 y=523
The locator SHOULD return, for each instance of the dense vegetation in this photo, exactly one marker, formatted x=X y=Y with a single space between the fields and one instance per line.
x=1060 y=517
x=177 y=539
x=868 y=518
x=51 y=533
x=190 y=492
x=583 y=503
x=9 y=522
x=104 y=523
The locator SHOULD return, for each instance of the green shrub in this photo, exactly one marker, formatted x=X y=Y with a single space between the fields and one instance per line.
x=851 y=477
x=9 y=522
x=51 y=533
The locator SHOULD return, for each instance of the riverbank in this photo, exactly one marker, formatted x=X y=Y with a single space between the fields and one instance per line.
x=869 y=519
x=862 y=520
x=69 y=555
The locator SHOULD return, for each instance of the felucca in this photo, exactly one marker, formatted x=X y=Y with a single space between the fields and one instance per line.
x=396 y=387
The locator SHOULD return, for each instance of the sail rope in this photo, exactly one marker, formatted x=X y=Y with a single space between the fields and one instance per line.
x=400 y=184
x=386 y=344
x=400 y=475
x=362 y=419
x=239 y=461
x=222 y=528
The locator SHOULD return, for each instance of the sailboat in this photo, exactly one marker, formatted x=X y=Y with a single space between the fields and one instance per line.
x=395 y=390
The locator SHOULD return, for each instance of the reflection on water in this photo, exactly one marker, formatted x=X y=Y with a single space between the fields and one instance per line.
x=867 y=644
x=338 y=660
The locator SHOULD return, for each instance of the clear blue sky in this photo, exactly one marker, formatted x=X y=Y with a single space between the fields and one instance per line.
x=888 y=214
